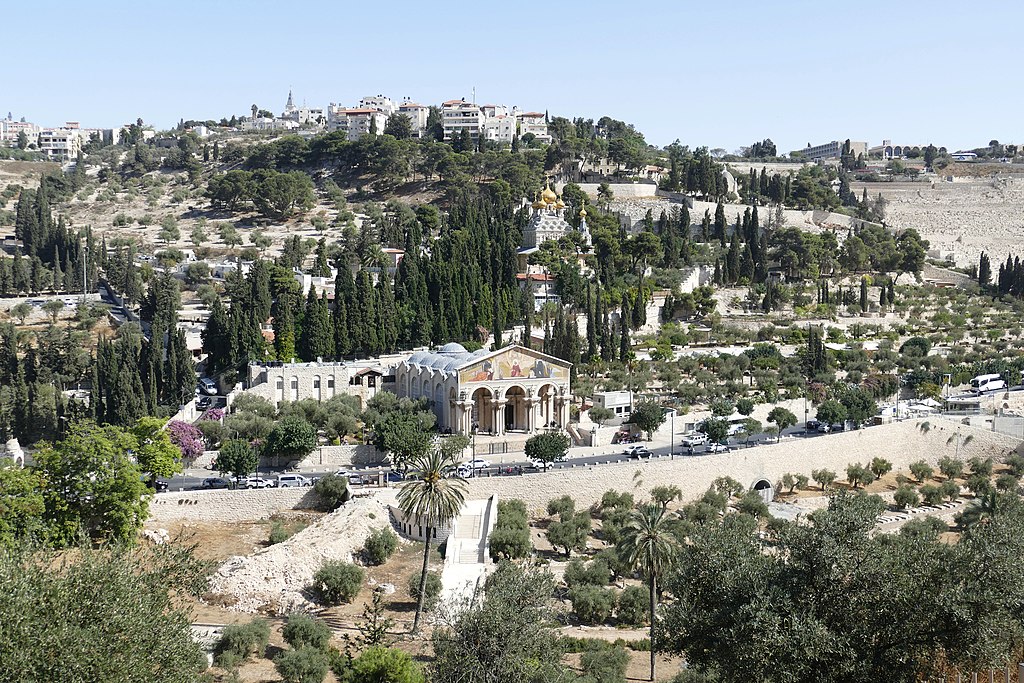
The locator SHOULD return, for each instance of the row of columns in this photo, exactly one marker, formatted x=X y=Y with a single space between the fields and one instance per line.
x=557 y=410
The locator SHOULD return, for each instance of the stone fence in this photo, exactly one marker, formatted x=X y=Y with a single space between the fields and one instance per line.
x=901 y=443
x=243 y=505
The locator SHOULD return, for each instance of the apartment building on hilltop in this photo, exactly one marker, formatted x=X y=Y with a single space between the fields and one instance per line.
x=831 y=150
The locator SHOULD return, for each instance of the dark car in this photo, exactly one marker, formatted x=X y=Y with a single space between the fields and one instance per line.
x=641 y=452
x=160 y=486
x=216 y=483
x=204 y=402
x=812 y=425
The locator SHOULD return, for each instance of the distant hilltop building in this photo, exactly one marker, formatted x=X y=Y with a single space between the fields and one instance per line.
x=831 y=150
x=887 y=150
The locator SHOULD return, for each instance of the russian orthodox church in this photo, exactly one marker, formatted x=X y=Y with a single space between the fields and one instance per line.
x=547 y=222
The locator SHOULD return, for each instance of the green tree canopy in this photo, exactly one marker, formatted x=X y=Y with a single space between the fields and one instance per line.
x=291 y=438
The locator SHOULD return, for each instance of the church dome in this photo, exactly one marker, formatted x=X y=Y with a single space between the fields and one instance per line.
x=451 y=349
x=548 y=195
x=559 y=204
x=538 y=203
x=583 y=212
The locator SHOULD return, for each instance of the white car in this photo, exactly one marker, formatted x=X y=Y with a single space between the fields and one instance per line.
x=464 y=471
x=354 y=478
x=633 y=448
x=717 y=448
x=695 y=439
x=478 y=464
x=256 y=483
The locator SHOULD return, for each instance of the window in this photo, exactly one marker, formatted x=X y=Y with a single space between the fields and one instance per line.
x=316 y=382
x=330 y=382
x=295 y=383
x=280 y=382
x=371 y=381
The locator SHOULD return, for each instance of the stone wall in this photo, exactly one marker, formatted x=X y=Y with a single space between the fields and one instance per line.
x=621 y=190
x=900 y=443
x=343 y=456
x=229 y=506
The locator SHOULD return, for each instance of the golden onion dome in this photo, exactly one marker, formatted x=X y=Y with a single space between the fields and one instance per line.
x=559 y=204
x=548 y=195
x=583 y=212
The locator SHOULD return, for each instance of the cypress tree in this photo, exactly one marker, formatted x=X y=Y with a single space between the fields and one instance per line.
x=365 y=338
x=623 y=341
x=864 y=294
x=591 y=324
x=316 y=329
x=388 y=314
x=720 y=223
x=284 y=329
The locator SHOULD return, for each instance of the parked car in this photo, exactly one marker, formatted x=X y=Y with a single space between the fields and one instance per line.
x=478 y=464
x=695 y=439
x=464 y=471
x=633 y=448
x=293 y=480
x=204 y=403
x=257 y=483
x=160 y=486
x=208 y=386
x=642 y=452
x=839 y=427
x=717 y=448
x=811 y=426
x=824 y=428
x=215 y=483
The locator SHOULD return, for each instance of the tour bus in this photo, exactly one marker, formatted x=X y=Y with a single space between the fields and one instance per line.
x=983 y=383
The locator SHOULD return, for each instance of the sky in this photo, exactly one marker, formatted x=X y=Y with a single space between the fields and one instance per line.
x=714 y=73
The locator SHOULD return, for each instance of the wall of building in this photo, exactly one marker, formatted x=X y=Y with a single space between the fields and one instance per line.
x=343 y=456
x=901 y=443
x=229 y=506
x=619 y=190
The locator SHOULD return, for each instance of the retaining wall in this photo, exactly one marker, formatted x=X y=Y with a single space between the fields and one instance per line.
x=244 y=505
x=901 y=443
x=343 y=456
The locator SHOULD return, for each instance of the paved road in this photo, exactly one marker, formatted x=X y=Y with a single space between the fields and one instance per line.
x=193 y=479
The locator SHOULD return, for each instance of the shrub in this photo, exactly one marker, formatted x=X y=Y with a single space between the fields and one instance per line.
x=338 y=582
x=932 y=494
x=380 y=545
x=950 y=467
x=305 y=665
x=1007 y=482
x=921 y=470
x=379 y=663
x=510 y=543
x=592 y=604
x=510 y=512
x=950 y=489
x=753 y=504
x=432 y=588
x=561 y=505
x=613 y=500
x=303 y=630
x=1016 y=464
x=981 y=467
x=906 y=496
x=593 y=573
x=634 y=603
x=241 y=641
x=570 y=644
x=979 y=484
x=281 y=531
x=606 y=665
x=333 y=491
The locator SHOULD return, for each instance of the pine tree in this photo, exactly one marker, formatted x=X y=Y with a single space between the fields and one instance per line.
x=984 y=270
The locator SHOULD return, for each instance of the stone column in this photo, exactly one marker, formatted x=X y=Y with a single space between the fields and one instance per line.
x=531 y=414
x=499 y=416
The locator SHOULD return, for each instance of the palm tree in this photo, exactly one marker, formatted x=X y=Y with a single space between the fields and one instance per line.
x=433 y=500
x=648 y=545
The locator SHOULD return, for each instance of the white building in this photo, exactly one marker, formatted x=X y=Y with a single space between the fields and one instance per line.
x=10 y=129
x=831 y=150
x=321 y=380
x=355 y=123
x=499 y=128
x=264 y=124
x=619 y=402
x=513 y=389
x=533 y=122
x=378 y=103
x=417 y=114
x=460 y=115
x=60 y=144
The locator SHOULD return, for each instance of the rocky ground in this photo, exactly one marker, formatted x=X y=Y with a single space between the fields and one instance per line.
x=277 y=578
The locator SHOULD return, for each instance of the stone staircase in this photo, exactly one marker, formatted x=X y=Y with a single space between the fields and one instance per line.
x=468 y=532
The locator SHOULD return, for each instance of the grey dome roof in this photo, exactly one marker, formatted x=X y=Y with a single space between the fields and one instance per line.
x=452 y=348
x=418 y=358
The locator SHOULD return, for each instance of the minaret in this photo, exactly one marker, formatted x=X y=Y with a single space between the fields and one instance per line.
x=290 y=106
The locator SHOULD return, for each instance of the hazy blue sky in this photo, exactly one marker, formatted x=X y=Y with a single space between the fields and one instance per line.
x=714 y=73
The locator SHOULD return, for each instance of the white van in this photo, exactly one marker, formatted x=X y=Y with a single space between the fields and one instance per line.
x=294 y=480
x=208 y=386
x=983 y=383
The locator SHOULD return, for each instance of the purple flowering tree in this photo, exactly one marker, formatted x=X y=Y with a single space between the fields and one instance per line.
x=188 y=438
